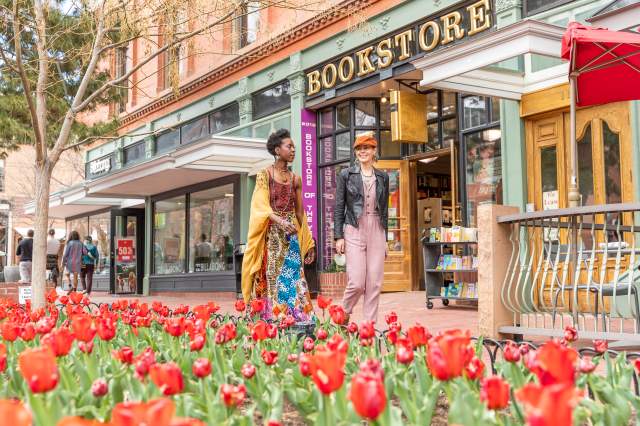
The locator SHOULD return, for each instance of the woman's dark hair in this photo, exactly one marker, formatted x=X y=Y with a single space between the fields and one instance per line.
x=74 y=236
x=275 y=140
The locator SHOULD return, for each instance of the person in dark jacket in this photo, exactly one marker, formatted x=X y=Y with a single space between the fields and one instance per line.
x=25 y=251
x=89 y=261
x=72 y=259
x=360 y=232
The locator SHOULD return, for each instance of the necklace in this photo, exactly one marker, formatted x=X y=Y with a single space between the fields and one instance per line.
x=362 y=173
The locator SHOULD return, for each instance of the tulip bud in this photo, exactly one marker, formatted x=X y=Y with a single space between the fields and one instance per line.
x=292 y=357
x=352 y=328
x=322 y=334
x=308 y=344
x=404 y=355
x=99 y=388
x=586 y=366
x=201 y=367
x=570 y=334
x=248 y=370
x=601 y=346
x=511 y=352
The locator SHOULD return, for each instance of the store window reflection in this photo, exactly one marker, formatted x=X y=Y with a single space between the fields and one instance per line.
x=211 y=229
x=99 y=229
x=483 y=170
x=169 y=236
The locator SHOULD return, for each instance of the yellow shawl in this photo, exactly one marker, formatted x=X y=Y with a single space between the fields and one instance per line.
x=256 y=238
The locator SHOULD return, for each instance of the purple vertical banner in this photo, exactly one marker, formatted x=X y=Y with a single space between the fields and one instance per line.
x=309 y=169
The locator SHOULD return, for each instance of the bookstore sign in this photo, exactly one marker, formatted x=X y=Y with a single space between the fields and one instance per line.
x=457 y=23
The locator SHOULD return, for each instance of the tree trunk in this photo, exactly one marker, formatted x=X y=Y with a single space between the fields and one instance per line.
x=39 y=269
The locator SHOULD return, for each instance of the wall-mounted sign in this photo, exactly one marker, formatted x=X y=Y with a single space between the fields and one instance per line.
x=309 y=178
x=436 y=31
x=99 y=167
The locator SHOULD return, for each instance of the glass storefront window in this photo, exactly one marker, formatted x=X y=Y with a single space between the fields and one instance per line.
x=365 y=113
x=394 y=240
x=433 y=142
x=169 y=236
x=326 y=149
x=134 y=153
x=448 y=103
x=612 y=179
x=343 y=116
x=80 y=224
x=432 y=105
x=194 y=130
x=449 y=132
x=483 y=170
x=326 y=121
x=224 y=118
x=343 y=146
x=100 y=231
x=476 y=111
x=271 y=100
x=389 y=149
x=211 y=229
x=167 y=141
x=585 y=168
x=385 y=114
x=328 y=177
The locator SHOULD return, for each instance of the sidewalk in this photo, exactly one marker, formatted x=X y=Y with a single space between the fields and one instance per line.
x=410 y=307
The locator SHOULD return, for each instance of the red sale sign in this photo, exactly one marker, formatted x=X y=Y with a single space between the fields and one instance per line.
x=125 y=250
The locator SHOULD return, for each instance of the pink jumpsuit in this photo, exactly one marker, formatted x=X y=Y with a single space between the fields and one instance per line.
x=365 y=253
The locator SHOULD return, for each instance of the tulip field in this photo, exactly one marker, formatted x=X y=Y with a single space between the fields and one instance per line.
x=130 y=363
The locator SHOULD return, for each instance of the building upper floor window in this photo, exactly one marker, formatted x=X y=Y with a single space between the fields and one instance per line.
x=273 y=99
x=167 y=141
x=120 y=70
x=224 y=118
x=247 y=24
x=134 y=153
x=531 y=7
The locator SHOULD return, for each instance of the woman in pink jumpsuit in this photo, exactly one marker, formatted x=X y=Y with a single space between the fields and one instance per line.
x=361 y=227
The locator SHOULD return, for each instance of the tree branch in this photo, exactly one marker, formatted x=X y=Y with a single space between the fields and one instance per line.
x=41 y=100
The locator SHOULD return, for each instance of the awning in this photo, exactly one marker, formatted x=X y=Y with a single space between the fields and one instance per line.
x=197 y=162
x=605 y=64
x=473 y=66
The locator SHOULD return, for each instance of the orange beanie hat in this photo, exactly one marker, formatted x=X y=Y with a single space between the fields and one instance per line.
x=365 y=140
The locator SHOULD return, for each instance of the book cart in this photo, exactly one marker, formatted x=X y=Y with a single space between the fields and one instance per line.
x=439 y=275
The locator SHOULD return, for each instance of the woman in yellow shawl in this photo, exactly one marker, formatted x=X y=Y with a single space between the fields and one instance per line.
x=278 y=241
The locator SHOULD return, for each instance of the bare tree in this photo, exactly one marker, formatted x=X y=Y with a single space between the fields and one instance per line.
x=55 y=58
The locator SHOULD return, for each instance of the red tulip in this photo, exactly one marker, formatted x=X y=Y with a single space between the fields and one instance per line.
x=197 y=343
x=366 y=330
x=124 y=355
x=52 y=295
x=327 y=369
x=45 y=325
x=226 y=333
x=248 y=370
x=157 y=412
x=292 y=357
x=106 y=329
x=13 y=412
x=586 y=366
x=175 y=326
x=201 y=367
x=64 y=300
x=601 y=346
x=511 y=352
x=404 y=354
x=143 y=362
x=240 y=306
x=494 y=391
x=167 y=377
x=337 y=314
x=337 y=343
x=59 y=340
x=418 y=335
x=636 y=364
x=570 y=334
x=448 y=354
x=474 y=369
x=352 y=328
x=257 y=306
x=269 y=357
x=259 y=331
x=83 y=328
x=308 y=344
x=86 y=347
x=554 y=363
x=322 y=334
x=550 y=405
x=202 y=312
x=367 y=394
x=99 y=388
x=304 y=363
x=232 y=396
x=10 y=331
x=76 y=297
x=391 y=318
x=324 y=302
x=39 y=369
x=28 y=332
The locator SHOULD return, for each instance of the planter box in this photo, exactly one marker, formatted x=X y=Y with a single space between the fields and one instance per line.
x=332 y=284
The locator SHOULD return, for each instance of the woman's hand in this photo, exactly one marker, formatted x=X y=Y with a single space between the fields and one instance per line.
x=310 y=257
x=288 y=227
x=340 y=246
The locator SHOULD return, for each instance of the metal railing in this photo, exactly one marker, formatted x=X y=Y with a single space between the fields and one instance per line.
x=578 y=267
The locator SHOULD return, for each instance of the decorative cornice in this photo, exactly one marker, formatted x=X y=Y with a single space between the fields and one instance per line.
x=323 y=20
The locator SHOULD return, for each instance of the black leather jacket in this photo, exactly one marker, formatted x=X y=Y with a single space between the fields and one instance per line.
x=350 y=199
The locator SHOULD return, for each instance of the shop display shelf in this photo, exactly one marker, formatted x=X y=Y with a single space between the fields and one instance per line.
x=444 y=243
x=446 y=299
x=450 y=270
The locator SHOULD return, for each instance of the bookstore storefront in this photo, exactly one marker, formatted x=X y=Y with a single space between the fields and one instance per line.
x=438 y=178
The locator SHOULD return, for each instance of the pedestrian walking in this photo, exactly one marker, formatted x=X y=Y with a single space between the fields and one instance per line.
x=53 y=254
x=89 y=261
x=362 y=197
x=279 y=239
x=72 y=259
x=25 y=254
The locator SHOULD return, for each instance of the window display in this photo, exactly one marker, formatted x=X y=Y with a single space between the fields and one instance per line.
x=483 y=171
x=169 y=236
x=99 y=229
x=211 y=230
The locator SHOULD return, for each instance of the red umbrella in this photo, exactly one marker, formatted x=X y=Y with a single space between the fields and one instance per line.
x=606 y=64
x=604 y=67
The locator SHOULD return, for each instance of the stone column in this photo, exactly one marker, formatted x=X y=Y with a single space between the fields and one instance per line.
x=494 y=252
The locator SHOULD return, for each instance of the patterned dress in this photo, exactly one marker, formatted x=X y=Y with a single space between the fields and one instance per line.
x=280 y=282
